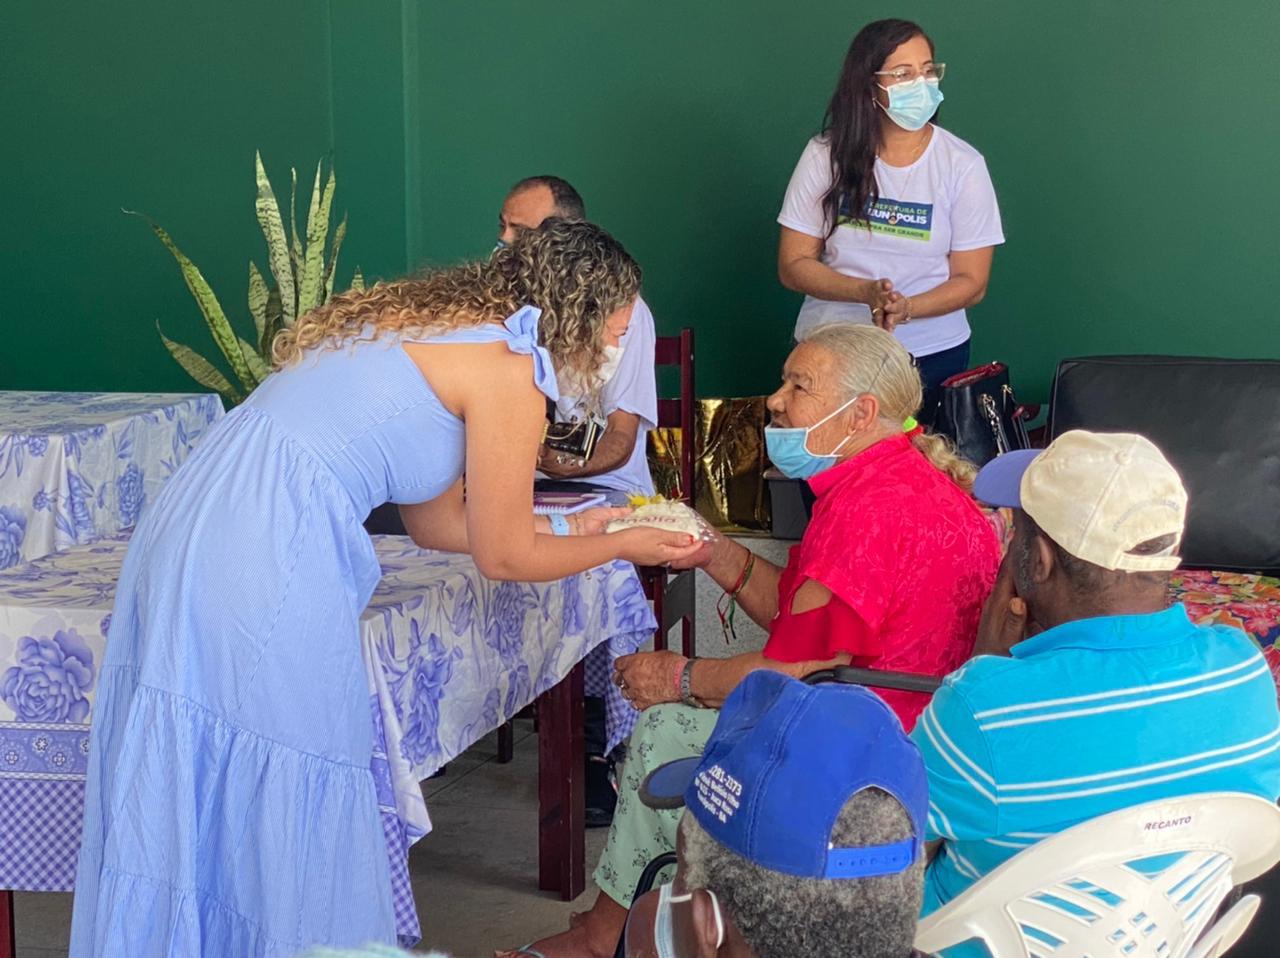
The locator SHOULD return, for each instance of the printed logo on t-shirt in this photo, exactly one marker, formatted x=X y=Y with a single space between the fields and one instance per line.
x=891 y=217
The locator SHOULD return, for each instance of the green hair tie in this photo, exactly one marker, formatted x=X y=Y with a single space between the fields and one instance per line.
x=909 y=424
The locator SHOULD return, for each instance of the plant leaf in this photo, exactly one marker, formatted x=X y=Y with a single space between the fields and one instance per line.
x=277 y=244
x=295 y=244
x=259 y=368
x=331 y=270
x=200 y=369
x=357 y=280
x=275 y=322
x=258 y=300
x=317 y=233
x=216 y=319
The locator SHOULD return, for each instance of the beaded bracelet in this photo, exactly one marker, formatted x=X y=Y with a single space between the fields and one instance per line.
x=727 y=604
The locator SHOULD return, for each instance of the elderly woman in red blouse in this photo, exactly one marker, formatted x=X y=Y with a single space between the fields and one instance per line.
x=891 y=574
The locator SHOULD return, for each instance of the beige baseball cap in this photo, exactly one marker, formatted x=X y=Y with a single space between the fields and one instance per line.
x=1098 y=495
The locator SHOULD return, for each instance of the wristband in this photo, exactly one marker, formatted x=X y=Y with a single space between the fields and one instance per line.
x=676 y=678
x=559 y=524
x=686 y=685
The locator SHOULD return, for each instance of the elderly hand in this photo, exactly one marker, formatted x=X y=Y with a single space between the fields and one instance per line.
x=1005 y=619
x=707 y=552
x=648 y=678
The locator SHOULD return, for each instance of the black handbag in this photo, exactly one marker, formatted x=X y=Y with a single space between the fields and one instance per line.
x=980 y=415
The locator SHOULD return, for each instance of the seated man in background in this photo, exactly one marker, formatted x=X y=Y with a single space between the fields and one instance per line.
x=1116 y=698
x=626 y=395
x=891 y=574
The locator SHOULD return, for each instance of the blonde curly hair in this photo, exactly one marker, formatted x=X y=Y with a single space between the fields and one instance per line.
x=872 y=360
x=576 y=273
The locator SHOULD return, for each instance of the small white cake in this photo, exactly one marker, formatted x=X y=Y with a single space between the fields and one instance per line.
x=672 y=516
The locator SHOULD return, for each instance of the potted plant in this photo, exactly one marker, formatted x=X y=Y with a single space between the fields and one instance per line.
x=303 y=279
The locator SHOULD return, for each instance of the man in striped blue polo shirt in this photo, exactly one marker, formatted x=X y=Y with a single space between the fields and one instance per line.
x=1095 y=694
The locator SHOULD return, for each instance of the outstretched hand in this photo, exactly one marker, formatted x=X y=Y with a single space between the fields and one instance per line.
x=592 y=522
x=645 y=545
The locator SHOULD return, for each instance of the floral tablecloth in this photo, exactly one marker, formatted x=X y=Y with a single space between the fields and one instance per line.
x=75 y=467
x=1249 y=602
x=449 y=656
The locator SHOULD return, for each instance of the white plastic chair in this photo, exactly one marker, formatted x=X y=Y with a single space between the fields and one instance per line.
x=1098 y=891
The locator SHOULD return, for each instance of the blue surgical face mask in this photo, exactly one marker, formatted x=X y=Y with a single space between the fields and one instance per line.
x=664 y=928
x=788 y=447
x=913 y=104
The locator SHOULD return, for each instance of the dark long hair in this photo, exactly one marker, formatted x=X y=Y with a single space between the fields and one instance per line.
x=852 y=123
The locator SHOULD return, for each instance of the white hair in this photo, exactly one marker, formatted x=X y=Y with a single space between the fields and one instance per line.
x=872 y=361
x=783 y=916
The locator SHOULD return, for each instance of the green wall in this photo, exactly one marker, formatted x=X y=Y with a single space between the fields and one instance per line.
x=153 y=106
x=1131 y=146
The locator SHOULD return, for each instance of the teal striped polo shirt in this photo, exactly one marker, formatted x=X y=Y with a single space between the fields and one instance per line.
x=1086 y=718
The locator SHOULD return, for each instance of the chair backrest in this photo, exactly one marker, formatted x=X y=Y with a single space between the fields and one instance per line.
x=1218 y=421
x=1143 y=882
x=679 y=413
x=876 y=678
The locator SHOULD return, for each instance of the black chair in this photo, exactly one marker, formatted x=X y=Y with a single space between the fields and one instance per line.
x=1218 y=422
x=901 y=681
x=645 y=884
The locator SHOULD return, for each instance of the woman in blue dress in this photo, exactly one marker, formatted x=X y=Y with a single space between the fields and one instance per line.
x=230 y=808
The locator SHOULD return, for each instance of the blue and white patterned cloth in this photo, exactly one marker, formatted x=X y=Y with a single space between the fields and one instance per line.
x=449 y=657
x=75 y=467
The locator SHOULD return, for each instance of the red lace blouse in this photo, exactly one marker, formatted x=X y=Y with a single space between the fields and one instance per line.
x=909 y=559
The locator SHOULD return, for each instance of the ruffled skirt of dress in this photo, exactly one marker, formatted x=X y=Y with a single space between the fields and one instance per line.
x=230 y=808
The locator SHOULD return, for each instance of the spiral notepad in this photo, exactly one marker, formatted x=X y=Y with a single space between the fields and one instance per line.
x=565 y=503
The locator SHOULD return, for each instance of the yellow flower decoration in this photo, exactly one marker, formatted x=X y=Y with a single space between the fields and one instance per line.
x=636 y=500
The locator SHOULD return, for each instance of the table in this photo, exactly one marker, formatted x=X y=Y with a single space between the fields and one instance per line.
x=449 y=657
x=75 y=467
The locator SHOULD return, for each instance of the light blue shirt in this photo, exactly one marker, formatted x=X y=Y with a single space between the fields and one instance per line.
x=632 y=388
x=1086 y=718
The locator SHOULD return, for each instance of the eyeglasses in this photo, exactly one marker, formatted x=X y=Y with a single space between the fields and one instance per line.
x=933 y=71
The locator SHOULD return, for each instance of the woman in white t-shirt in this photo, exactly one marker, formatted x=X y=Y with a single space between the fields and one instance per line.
x=917 y=251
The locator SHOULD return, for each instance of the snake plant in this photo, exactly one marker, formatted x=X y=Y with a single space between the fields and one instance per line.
x=303 y=279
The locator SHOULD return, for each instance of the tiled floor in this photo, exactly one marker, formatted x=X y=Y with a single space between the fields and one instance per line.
x=475 y=875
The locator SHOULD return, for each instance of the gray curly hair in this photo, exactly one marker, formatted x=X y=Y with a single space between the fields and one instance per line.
x=782 y=916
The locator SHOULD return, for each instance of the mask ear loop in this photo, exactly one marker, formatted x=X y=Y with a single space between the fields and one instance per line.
x=719 y=918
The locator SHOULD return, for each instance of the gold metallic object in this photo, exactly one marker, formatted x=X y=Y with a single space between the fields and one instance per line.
x=729 y=465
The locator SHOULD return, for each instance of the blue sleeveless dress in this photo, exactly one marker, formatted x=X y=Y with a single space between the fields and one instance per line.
x=230 y=807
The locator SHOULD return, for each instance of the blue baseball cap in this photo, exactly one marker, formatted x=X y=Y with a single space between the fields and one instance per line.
x=782 y=762
x=999 y=482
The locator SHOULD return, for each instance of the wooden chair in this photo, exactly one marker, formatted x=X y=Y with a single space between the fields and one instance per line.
x=673 y=595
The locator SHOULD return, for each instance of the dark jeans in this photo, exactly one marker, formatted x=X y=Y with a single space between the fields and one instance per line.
x=595 y=734
x=934 y=370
